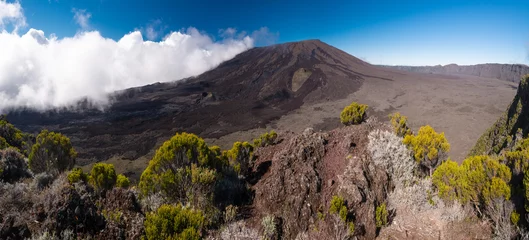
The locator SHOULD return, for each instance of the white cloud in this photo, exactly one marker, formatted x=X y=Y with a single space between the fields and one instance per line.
x=41 y=73
x=82 y=18
x=44 y=72
x=11 y=13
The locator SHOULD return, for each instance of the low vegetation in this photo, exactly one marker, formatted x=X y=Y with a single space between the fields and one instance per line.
x=190 y=190
x=52 y=152
x=429 y=148
x=353 y=114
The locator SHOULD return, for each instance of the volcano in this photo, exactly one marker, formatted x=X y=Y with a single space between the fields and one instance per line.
x=286 y=87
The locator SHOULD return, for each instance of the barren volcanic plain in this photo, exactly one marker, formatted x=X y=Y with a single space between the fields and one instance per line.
x=285 y=87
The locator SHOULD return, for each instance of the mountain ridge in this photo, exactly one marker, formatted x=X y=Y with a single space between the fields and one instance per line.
x=506 y=72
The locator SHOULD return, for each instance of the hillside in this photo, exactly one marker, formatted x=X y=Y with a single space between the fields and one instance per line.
x=286 y=87
x=506 y=72
x=512 y=125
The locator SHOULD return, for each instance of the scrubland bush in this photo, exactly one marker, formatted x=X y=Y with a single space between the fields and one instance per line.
x=353 y=114
x=429 y=147
x=381 y=216
x=240 y=157
x=103 y=176
x=122 y=181
x=10 y=136
x=400 y=125
x=338 y=206
x=77 y=175
x=52 y=152
x=41 y=181
x=479 y=180
x=389 y=153
x=266 y=139
x=13 y=166
x=185 y=170
x=174 y=222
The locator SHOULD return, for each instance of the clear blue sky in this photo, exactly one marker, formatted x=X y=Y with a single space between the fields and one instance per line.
x=393 y=32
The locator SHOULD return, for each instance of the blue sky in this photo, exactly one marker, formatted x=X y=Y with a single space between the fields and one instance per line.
x=381 y=32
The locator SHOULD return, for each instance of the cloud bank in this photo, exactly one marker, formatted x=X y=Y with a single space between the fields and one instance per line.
x=43 y=72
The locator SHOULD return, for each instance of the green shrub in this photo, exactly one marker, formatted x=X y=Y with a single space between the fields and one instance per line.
x=339 y=207
x=266 y=139
x=337 y=204
x=479 y=180
x=429 y=147
x=240 y=157
x=351 y=227
x=400 y=125
x=515 y=218
x=52 y=152
x=77 y=175
x=103 y=176
x=13 y=166
x=174 y=222
x=185 y=170
x=381 y=216
x=122 y=181
x=353 y=114
x=10 y=136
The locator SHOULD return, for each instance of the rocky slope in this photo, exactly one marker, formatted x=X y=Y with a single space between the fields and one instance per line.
x=506 y=72
x=511 y=126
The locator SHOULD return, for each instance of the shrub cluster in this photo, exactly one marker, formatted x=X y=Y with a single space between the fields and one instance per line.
x=429 y=147
x=339 y=207
x=400 y=125
x=13 y=166
x=353 y=114
x=103 y=176
x=52 y=152
x=389 y=153
x=10 y=136
x=174 y=222
x=77 y=175
x=479 y=180
x=266 y=139
x=381 y=216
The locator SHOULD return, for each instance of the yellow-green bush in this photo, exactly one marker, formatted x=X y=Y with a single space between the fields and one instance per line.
x=240 y=157
x=353 y=114
x=174 y=222
x=169 y=171
x=103 y=176
x=479 y=179
x=185 y=170
x=381 y=216
x=400 y=124
x=122 y=181
x=515 y=218
x=339 y=207
x=266 y=139
x=77 y=175
x=10 y=136
x=51 y=152
x=429 y=147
